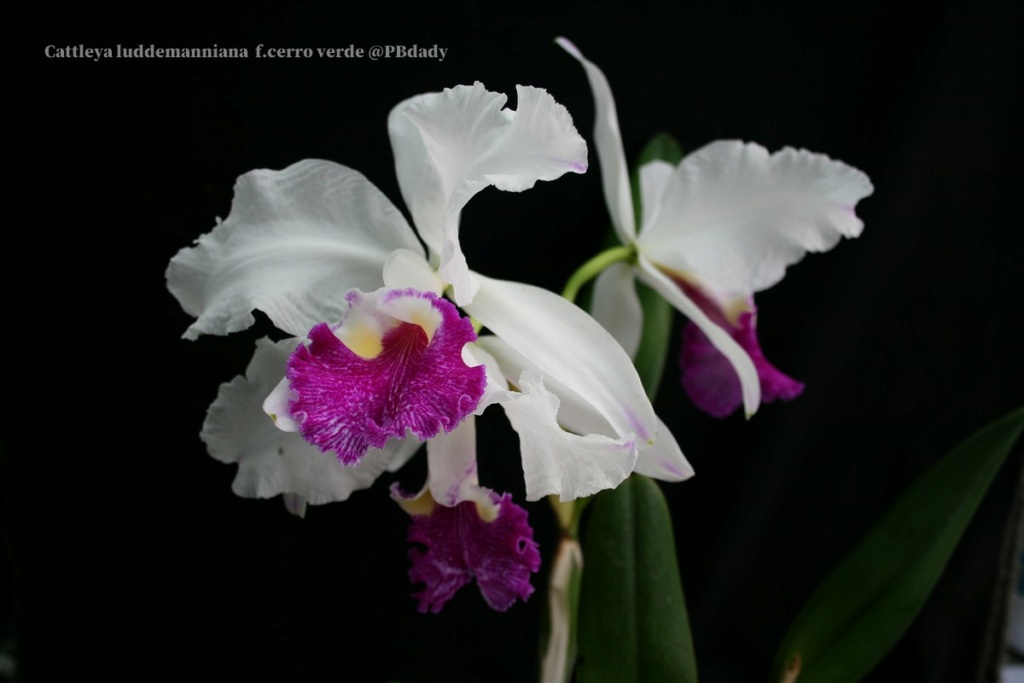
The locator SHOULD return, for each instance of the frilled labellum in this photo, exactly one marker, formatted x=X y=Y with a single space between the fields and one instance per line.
x=489 y=540
x=393 y=365
x=708 y=377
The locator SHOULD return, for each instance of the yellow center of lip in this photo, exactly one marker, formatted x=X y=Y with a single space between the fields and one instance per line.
x=363 y=340
x=422 y=504
x=366 y=325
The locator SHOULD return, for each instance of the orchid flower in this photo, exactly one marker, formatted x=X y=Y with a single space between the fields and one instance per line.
x=715 y=229
x=389 y=362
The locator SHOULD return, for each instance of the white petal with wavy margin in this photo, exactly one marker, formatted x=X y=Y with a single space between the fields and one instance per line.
x=734 y=216
x=295 y=241
x=556 y=461
x=271 y=461
x=662 y=459
x=450 y=145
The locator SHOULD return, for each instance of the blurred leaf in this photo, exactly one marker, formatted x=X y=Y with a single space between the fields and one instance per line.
x=862 y=609
x=633 y=624
x=653 y=352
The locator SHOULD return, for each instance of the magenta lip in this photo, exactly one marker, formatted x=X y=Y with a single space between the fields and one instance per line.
x=348 y=404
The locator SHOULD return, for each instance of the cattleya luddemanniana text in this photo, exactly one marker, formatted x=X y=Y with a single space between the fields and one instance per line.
x=382 y=357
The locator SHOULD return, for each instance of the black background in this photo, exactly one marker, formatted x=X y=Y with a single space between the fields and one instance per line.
x=131 y=558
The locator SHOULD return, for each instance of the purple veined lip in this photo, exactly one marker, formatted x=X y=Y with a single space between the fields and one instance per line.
x=710 y=380
x=708 y=377
x=463 y=542
x=393 y=365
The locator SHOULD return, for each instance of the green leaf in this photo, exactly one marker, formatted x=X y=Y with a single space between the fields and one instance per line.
x=654 y=344
x=633 y=626
x=863 y=608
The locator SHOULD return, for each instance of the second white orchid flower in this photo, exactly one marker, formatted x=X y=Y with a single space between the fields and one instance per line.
x=717 y=228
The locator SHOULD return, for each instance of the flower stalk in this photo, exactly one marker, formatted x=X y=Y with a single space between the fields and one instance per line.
x=592 y=268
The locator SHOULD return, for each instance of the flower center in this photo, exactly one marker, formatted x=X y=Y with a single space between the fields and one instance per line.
x=394 y=364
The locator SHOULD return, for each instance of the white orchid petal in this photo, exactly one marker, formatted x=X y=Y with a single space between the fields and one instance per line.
x=295 y=241
x=556 y=461
x=739 y=359
x=617 y=307
x=575 y=414
x=455 y=271
x=406 y=269
x=564 y=343
x=277 y=408
x=454 y=268
x=734 y=217
x=400 y=451
x=422 y=189
x=451 y=461
x=497 y=380
x=448 y=146
x=664 y=460
x=295 y=504
x=654 y=179
x=271 y=461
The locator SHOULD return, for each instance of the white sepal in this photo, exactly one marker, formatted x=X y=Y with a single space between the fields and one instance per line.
x=608 y=141
x=664 y=460
x=563 y=342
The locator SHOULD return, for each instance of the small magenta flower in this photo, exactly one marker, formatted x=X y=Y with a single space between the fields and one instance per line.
x=723 y=224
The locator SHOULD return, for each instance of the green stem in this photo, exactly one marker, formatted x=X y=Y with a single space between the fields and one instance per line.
x=589 y=270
